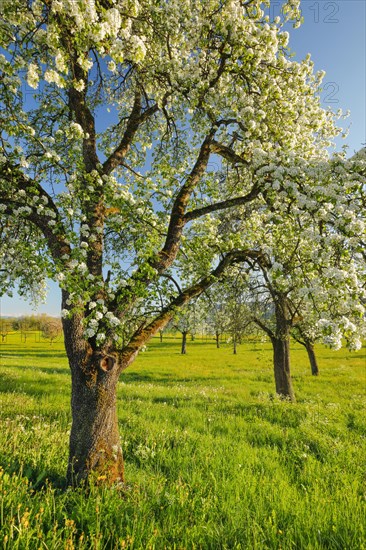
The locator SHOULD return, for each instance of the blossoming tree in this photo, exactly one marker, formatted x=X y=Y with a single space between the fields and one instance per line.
x=111 y=112
x=309 y=279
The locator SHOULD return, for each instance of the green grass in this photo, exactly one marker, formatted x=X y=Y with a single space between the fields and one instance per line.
x=213 y=459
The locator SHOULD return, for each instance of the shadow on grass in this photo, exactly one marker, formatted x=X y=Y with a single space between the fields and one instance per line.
x=46 y=370
x=29 y=352
x=351 y=357
x=37 y=388
x=172 y=379
x=38 y=478
x=131 y=377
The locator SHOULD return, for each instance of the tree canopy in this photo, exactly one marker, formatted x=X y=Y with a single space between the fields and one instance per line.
x=105 y=168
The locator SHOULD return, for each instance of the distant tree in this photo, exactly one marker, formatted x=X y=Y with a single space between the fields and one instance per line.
x=5 y=328
x=215 y=312
x=51 y=329
x=185 y=322
x=309 y=283
x=306 y=339
x=235 y=292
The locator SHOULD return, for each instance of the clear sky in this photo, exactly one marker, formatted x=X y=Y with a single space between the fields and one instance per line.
x=334 y=32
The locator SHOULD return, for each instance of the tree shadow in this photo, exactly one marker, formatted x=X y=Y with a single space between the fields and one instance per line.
x=46 y=370
x=169 y=380
x=131 y=377
x=50 y=352
x=36 y=388
x=37 y=477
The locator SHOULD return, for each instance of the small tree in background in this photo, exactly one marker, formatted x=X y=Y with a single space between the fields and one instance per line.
x=5 y=328
x=213 y=303
x=51 y=330
x=186 y=322
x=308 y=282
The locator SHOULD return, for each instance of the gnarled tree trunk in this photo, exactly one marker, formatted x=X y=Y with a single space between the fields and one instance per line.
x=281 y=364
x=94 y=439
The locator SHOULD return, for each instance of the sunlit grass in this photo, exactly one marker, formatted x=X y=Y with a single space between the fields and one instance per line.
x=213 y=458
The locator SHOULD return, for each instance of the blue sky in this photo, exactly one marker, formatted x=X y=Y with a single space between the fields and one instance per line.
x=334 y=32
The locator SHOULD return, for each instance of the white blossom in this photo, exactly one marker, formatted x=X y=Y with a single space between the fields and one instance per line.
x=33 y=76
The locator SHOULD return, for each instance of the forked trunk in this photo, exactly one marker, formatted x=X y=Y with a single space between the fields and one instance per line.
x=281 y=363
x=312 y=358
x=184 y=343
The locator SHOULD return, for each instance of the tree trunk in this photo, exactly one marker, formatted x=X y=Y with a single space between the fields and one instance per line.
x=184 y=343
x=95 y=449
x=94 y=440
x=161 y=336
x=281 y=350
x=281 y=363
x=217 y=338
x=234 y=344
x=312 y=358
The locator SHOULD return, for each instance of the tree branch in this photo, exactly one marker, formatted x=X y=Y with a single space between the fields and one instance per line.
x=55 y=238
x=263 y=327
x=84 y=117
x=229 y=203
x=171 y=278
x=177 y=217
x=145 y=332
x=135 y=119
x=227 y=153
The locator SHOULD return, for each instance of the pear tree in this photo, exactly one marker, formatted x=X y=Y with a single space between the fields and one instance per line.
x=309 y=280
x=111 y=113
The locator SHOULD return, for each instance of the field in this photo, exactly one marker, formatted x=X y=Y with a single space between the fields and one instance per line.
x=213 y=459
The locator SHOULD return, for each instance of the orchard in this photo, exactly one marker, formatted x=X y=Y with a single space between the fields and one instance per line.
x=111 y=113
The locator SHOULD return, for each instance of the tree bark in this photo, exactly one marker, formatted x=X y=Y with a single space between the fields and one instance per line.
x=94 y=448
x=281 y=363
x=312 y=358
x=217 y=338
x=94 y=440
x=184 y=343
x=281 y=350
x=234 y=344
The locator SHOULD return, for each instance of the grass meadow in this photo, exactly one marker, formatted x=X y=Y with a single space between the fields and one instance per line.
x=213 y=459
